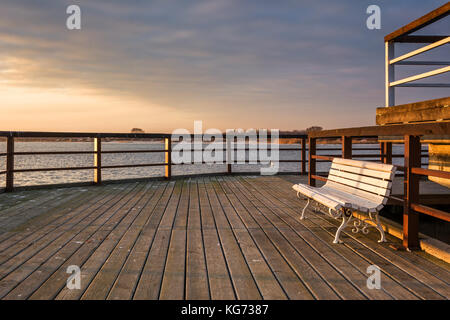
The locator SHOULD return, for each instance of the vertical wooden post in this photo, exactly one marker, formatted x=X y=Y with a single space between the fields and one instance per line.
x=9 y=164
x=229 y=156
x=346 y=147
x=98 y=161
x=312 y=161
x=168 y=157
x=389 y=74
x=303 y=156
x=410 y=217
x=386 y=150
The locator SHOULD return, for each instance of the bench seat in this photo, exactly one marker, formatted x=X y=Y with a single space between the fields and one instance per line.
x=336 y=199
x=352 y=186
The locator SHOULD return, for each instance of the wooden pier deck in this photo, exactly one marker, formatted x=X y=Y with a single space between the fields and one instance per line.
x=219 y=237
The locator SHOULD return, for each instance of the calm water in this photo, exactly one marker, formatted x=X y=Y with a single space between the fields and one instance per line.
x=51 y=177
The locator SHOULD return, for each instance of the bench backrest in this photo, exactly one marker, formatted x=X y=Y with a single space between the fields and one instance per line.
x=370 y=180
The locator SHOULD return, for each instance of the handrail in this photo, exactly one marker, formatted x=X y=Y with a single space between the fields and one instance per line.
x=419 y=23
x=442 y=215
x=36 y=134
x=431 y=173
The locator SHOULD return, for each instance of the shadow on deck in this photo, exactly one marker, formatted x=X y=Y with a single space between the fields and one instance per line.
x=236 y=237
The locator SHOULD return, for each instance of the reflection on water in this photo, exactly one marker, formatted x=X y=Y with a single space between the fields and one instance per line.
x=82 y=160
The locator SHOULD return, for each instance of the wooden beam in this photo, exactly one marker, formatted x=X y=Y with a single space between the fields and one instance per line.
x=430 y=110
x=411 y=217
x=382 y=148
x=9 y=164
x=433 y=128
x=323 y=157
x=168 y=157
x=420 y=23
x=439 y=214
x=42 y=134
x=36 y=134
x=431 y=173
x=98 y=161
x=419 y=39
x=320 y=178
x=386 y=152
x=303 y=156
x=346 y=147
x=312 y=162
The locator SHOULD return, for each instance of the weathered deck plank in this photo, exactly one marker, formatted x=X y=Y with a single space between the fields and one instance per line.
x=416 y=266
x=149 y=285
x=18 y=266
x=241 y=276
x=315 y=253
x=197 y=287
x=222 y=237
x=32 y=228
x=123 y=235
x=78 y=252
x=249 y=241
x=220 y=285
x=126 y=282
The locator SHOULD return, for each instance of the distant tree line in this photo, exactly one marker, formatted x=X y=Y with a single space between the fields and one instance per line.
x=305 y=131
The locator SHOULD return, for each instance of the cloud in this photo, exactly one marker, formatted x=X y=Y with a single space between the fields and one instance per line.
x=210 y=59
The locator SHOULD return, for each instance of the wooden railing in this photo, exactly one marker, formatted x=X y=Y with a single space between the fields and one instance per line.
x=411 y=169
x=97 y=152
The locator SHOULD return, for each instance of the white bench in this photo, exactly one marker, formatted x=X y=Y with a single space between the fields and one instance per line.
x=352 y=186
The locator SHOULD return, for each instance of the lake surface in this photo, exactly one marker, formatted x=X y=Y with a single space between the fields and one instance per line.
x=54 y=177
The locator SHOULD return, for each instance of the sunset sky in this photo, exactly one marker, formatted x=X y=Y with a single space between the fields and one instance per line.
x=160 y=65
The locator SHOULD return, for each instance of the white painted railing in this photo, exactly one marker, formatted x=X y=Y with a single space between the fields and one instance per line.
x=402 y=35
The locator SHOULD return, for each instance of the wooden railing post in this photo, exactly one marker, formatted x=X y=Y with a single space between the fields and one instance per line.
x=303 y=156
x=229 y=155
x=410 y=217
x=168 y=157
x=312 y=161
x=98 y=161
x=9 y=164
x=346 y=147
x=386 y=150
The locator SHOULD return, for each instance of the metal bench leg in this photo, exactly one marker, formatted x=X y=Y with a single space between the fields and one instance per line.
x=346 y=217
x=380 y=228
x=302 y=217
